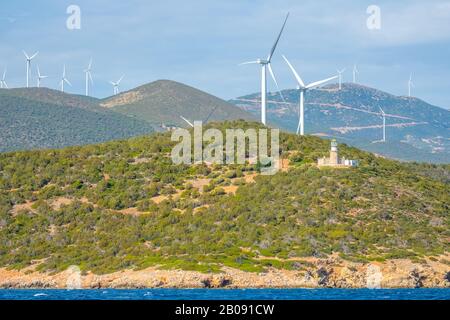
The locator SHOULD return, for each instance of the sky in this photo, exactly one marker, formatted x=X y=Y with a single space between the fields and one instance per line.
x=202 y=42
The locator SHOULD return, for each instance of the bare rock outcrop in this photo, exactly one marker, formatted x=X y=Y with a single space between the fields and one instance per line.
x=326 y=273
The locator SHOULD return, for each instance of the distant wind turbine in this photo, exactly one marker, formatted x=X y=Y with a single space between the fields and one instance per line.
x=204 y=120
x=88 y=76
x=187 y=121
x=303 y=88
x=116 y=85
x=39 y=77
x=355 y=72
x=410 y=85
x=340 y=72
x=3 y=83
x=384 y=125
x=64 y=79
x=29 y=65
x=265 y=64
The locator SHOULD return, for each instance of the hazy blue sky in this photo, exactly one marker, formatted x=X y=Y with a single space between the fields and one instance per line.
x=201 y=43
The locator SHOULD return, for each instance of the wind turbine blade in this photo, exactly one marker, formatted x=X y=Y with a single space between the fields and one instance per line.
x=67 y=81
x=26 y=55
x=275 y=80
x=187 y=121
x=278 y=39
x=90 y=77
x=318 y=83
x=34 y=55
x=4 y=83
x=120 y=79
x=248 y=62
x=38 y=71
x=4 y=74
x=382 y=111
x=210 y=114
x=113 y=83
x=299 y=80
x=90 y=64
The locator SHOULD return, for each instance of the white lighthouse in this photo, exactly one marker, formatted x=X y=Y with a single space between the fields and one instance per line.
x=334 y=160
x=334 y=156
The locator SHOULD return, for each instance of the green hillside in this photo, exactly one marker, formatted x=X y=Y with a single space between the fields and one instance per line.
x=46 y=95
x=43 y=118
x=123 y=204
x=164 y=101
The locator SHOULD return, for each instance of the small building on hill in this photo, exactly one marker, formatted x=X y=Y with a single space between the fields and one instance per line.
x=334 y=160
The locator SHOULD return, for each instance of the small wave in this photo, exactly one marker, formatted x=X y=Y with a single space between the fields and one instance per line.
x=40 y=295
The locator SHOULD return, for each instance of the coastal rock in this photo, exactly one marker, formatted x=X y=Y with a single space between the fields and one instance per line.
x=316 y=272
x=323 y=276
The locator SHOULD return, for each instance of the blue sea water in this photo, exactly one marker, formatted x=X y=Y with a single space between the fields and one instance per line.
x=226 y=294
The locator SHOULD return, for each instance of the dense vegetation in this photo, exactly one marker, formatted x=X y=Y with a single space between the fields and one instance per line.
x=127 y=206
x=30 y=121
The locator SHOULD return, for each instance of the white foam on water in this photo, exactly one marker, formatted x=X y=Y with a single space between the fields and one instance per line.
x=40 y=295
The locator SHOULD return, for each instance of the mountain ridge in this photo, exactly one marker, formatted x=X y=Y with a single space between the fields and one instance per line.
x=46 y=118
x=164 y=101
x=352 y=115
x=30 y=121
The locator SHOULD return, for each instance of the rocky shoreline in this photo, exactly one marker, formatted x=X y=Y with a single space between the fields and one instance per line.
x=327 y=273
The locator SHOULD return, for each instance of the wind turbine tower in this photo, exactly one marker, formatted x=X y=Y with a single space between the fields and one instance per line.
x=265 y=64
x=29 y=65
x=3 y=83
x=64 y=79
x=384 y=124
x=88 y=76
x=116 y=85
x=303 y=88
x=355 y=72
x=410 y=85
x=40 y=77
x=340 y=72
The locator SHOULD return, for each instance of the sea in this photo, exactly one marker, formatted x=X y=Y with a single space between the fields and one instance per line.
x=226 y=294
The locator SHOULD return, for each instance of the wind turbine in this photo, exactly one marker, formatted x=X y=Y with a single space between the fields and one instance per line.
x=410 y=85
x=384 y=124
x=40 y=77
x=3 y=81
x=88 y=76
x=204 y=120
x=64 y=79
x=303 y=88
x=187 y=121
x=29 y=64
x=116 y=85
x=355 y=72
x=340 y=72
x=265 y=64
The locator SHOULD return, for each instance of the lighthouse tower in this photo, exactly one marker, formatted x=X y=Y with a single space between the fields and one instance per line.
x=334 y=156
